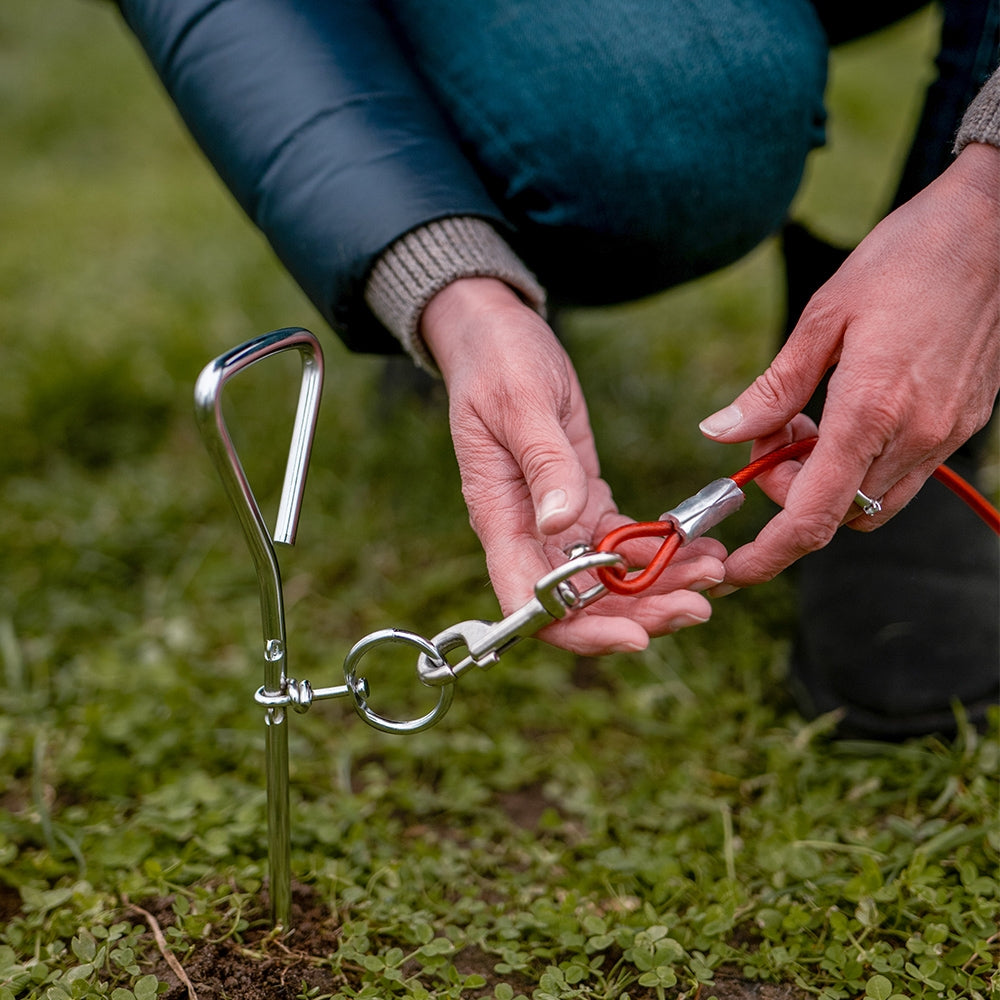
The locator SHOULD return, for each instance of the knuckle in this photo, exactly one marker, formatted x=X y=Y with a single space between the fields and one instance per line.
x=972 y=420
x=539 y=459
x=773 y=386
x=926 y=439
x=936 y=434
x=882 y=420
x=874 y=415
x=814 y=530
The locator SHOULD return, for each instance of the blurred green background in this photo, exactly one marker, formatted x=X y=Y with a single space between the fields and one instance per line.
x=131 y=749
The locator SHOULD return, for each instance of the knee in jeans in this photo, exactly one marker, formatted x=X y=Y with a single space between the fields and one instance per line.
x=657 y=146
x=652 y=121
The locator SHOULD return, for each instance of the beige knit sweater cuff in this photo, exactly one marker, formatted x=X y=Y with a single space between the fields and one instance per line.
x=981 y=122
x=418 y=265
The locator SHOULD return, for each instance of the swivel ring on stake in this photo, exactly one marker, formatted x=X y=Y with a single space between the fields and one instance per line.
x=299 y=695
x=358 y=686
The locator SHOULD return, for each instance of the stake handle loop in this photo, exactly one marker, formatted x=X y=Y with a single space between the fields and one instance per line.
x=211 y=422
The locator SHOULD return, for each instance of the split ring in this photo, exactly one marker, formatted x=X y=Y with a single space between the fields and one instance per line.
x=358 y=686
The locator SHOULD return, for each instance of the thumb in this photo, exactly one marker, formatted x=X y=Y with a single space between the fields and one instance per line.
x=772 y=400
x=783 y=390
x=558 y=485
x=552 y=470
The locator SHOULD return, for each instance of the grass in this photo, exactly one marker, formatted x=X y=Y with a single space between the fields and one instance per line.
x=660 y=825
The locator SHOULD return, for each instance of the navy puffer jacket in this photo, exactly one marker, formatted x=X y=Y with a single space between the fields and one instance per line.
x=311 y=115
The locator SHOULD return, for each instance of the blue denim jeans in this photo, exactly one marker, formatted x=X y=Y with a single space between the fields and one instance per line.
x=632 y=144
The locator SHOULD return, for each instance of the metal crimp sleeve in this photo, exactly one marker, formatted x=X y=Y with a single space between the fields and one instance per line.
x=705 y=509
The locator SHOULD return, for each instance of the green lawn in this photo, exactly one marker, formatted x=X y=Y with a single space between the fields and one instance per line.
x=659 y=825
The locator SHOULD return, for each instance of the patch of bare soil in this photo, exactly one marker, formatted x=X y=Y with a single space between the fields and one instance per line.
x=265 y=967
x=733 y=987
x=261 y=966
x=10 y=903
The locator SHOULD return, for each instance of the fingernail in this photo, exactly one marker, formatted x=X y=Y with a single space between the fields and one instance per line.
x=626 y=647
x=685 y=621
x=721 y=422
x=723 y=590
x=705 y=582
x=553 y=503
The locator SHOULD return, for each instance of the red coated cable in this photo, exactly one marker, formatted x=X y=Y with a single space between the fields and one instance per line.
x=797 y=449
x=616 y=580
x=960 y=487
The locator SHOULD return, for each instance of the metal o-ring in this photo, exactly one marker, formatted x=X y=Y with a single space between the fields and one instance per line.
x=358 y=687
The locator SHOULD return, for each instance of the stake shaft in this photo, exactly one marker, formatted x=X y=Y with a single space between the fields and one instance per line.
x=278 y=821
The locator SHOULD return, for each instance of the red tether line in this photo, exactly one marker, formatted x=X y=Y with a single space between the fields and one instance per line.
x=960 y=487
x=797 y=449
x=615 y=578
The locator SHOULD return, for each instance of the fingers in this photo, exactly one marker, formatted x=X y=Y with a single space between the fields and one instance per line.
x=777 y=482
x=518 y=419
x=613 y=623
x=530 y=474
x=820 y=498
x=778 y=395
x=626 y=624
x=891 y=501
x=523 y=480
x=910 y=321
x=551 y=466
x=596 y=635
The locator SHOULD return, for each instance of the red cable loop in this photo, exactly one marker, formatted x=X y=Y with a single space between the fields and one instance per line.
x=616 y=580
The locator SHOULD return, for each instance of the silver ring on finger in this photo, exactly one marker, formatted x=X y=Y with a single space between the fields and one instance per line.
x=869 y=507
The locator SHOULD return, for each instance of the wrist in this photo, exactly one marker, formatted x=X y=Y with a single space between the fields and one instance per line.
x=978 y=167
x=422 y=263
x=457 y=321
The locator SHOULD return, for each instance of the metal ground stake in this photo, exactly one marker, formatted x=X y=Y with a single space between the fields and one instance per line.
x=275 y=692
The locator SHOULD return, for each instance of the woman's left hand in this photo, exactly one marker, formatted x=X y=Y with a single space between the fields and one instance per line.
x=911 y=324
